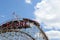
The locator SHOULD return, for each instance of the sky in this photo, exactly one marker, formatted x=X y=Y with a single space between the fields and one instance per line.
x=46 y=12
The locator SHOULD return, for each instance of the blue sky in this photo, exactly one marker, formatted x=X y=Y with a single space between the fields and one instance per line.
x=20 y=7
x=46 y=12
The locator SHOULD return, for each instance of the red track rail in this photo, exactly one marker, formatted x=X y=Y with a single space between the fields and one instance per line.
x=19 y=24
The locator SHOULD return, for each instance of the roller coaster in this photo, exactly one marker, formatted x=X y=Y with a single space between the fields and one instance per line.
x=21 y=30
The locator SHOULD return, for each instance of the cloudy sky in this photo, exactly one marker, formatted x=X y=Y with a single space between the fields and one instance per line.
x=46 y=12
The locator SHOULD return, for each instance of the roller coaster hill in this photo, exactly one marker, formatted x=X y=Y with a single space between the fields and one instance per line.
x=19 y=24
x=25 y=23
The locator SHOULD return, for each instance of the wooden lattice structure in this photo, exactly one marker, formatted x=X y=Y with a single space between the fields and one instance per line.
x=17 y=25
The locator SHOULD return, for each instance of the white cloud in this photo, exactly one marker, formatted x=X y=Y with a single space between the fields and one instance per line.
x=48 y=11
x=50 y=34
x=53 y=34
x=28 y=1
